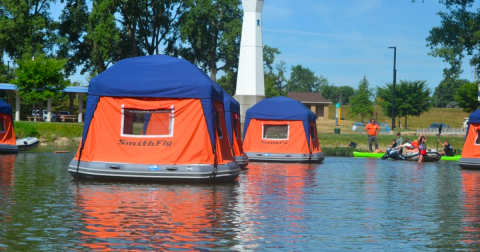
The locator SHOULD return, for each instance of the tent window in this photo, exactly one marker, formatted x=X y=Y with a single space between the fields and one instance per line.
x=312 y=132
x=217 y=123
x=477 y=141
x=2 y=125
x=152 y=123
x=276 y=132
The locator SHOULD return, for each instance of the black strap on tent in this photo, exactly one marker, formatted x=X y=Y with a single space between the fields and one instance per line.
x=215 y=163
x=78 y=163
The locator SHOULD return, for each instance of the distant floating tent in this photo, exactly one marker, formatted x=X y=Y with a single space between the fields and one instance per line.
x=471 y=149
x=232 y=118
x=154 y=118
x=8 y=144
x=281 y=129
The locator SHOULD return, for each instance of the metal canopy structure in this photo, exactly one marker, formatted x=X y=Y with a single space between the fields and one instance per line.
x=12 y=90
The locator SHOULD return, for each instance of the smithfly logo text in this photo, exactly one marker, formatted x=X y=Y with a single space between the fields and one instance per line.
x=146 y=143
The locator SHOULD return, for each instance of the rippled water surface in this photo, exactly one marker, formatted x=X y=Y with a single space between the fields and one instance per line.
x=342 y=204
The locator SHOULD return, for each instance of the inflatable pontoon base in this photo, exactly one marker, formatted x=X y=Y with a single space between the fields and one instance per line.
x=27 y=143
x=154 y=173
x=242 y=161
x=432 y=156
x=285 y=157
x=469 y=163
x=8 y=149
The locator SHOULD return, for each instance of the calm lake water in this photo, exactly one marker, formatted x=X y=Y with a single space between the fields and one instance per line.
x=342 y=204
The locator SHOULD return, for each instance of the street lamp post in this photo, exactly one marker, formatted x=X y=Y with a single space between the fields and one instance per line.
x=394 y=80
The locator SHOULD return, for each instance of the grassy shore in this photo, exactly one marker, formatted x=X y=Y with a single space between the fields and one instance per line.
x=50 y=132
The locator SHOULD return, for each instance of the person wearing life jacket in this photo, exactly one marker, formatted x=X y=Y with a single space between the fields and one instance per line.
x=410 y=146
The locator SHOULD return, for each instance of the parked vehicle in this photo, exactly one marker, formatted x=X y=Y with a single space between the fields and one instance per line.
x=60 y=115
x=36 y=112
x=436 y=125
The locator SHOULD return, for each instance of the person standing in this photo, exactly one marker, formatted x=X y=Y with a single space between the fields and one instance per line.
x=422 y=148
x=372 y=129
x=399 y=142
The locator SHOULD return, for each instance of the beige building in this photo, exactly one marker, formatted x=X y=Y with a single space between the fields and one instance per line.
x=314 y=101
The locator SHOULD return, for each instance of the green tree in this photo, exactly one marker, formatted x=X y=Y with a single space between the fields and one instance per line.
x=412 y=98
x=361 y=103
x=228 y=82
x=336 y=94
x=103 y=37
x=26 y=27
x=39 y=79
x=302 y=79
x=467 y=97
x=456 y=36
x=445 y=91
x=210 y=32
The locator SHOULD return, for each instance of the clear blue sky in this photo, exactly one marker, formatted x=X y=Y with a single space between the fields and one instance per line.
x=344 y=40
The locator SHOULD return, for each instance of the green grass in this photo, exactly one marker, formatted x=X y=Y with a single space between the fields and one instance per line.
x=48 y=131
x=450 y=116
x=328 y=141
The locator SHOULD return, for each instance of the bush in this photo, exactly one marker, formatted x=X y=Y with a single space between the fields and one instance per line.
x=23 y=129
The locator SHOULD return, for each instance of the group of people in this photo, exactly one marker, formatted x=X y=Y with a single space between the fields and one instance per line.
x=372 y=129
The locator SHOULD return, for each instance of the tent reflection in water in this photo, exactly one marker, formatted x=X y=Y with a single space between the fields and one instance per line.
x=8 y=144
x=154 y=118
x=232 y=118
x=281 y=129
x=471 y=149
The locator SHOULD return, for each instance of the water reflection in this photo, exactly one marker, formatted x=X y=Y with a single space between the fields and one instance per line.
x=137 y=217
x=7 y=178
x=471 y=193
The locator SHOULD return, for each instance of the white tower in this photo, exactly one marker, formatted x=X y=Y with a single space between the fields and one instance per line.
x=250 y=79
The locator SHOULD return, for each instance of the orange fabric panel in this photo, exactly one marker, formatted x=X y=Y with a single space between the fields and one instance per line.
x=189 y=144
x=315 y=145
x=158 y=124
x=470 y=148
x=225 y=154
x=7 y=135
x=296 y=142
x=237 y=136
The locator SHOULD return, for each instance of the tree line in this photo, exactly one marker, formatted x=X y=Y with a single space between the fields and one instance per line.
x=93 y=35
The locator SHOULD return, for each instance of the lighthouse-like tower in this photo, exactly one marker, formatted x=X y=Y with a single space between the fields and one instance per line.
x=250 y=80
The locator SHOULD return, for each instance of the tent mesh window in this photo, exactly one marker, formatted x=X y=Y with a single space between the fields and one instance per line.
x=2 y=124
x=157 y=123
x=477 y=141
x=312 y=132
x=217 y=124
x=276 y=132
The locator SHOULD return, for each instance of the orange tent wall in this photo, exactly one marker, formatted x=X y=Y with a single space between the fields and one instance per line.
x=8 y=136
x=296 y=143
x=470 y=148
x=315 y=145
x=189 y=144
x=237 y=136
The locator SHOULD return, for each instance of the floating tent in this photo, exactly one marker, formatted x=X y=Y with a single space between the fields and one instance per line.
x=8 y=144
x=154 y=118
x=281 y=129
x=471 y=149
x=232 y=117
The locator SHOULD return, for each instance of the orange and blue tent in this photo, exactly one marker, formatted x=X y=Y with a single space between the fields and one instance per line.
x=8 y=143
x=281 y=129
x=471 y=149
x=154 y=118
x=232 y=117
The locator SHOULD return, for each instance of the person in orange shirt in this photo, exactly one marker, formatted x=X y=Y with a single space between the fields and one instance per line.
x=372 y=129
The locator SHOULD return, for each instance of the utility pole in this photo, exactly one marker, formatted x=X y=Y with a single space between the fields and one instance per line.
x=394 y=81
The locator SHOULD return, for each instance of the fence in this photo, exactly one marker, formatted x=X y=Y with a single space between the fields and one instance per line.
x=445 y=131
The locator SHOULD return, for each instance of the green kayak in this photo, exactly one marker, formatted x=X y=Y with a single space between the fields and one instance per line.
x=367 y=154
x=454 y=158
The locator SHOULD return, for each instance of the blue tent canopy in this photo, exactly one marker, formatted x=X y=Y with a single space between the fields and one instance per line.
x=154 y=76
x=231 y=106
x=5 y=108
x=474 y=117
x=280 y=108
